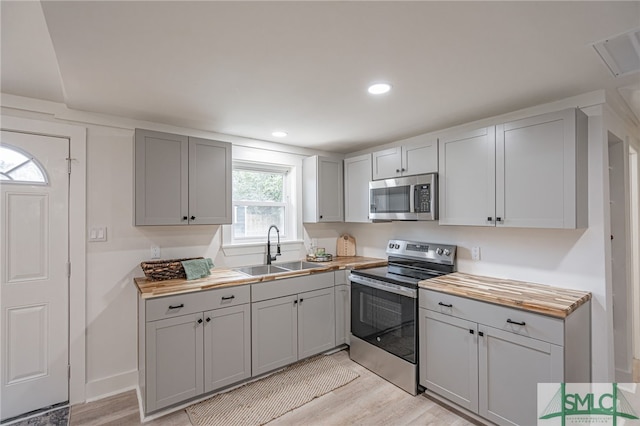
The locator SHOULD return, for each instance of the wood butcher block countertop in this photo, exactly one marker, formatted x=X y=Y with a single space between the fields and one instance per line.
x=226 y=277
x=539 y=298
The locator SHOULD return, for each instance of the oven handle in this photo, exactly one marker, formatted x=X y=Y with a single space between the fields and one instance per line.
x=385 y=286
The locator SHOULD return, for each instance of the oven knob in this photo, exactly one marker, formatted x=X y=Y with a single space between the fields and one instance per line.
x=397 y=246
x=447 y=252
x=439 y=251
x=390 y=246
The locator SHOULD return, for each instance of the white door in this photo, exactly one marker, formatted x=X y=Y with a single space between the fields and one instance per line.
x=34 y=324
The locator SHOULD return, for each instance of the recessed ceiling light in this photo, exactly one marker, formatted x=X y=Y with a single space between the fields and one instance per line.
x=279 y=134
x=379 y=88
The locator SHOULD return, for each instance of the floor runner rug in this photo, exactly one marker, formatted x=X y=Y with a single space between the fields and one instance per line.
x=261 y=401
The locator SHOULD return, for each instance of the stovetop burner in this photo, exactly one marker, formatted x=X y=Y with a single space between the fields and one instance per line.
x=411 y=262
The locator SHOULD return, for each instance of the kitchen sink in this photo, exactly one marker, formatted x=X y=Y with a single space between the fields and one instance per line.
x=261 y=270
x=297 y=265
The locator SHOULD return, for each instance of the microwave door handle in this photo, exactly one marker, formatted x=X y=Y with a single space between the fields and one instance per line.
x=412 y=198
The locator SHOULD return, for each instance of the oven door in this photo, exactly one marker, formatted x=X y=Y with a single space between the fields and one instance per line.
x=384 y=315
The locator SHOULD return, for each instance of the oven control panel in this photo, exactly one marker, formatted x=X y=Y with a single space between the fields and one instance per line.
x=440 y=253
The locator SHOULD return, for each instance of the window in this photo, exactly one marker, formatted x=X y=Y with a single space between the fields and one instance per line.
x=260 y=199
x=17 y=166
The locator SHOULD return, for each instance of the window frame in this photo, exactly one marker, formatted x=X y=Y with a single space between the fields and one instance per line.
x=289 y=230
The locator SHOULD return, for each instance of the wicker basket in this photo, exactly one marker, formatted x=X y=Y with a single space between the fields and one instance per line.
x=159 y=270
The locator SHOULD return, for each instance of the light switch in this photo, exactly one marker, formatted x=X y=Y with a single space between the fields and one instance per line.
x=155 y=252
x=98 y=234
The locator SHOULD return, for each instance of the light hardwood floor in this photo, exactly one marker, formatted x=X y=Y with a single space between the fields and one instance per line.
x=368 y=400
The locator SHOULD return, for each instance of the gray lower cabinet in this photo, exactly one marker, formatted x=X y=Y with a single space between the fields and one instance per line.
x=274 y=333
x=489 y=359
x=288 y=324
x=193 y=343
x=174 y=360
x=451 y=369
x=316 y=322
x=343 y=307
x=227 y=346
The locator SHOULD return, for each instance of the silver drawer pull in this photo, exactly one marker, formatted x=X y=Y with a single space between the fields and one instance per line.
x=516 y=322
x=176 y=306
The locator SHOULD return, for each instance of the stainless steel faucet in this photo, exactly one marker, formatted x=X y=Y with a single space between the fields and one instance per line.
x=269 y=257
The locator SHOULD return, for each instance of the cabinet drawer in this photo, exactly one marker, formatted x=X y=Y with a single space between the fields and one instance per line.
x=189 y=303
x=536 y=326
x=230 y=296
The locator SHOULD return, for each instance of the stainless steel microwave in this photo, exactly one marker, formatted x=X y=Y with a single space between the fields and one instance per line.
x=406 y=198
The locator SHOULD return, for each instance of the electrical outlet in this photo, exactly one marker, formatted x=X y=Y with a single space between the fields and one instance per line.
x=475 y=253
x=155 y=252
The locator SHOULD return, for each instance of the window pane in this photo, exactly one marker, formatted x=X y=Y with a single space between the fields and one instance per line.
x=254 y=221
x=19 y=168
x=10 y=158
x=251 y=185
x=28 y=172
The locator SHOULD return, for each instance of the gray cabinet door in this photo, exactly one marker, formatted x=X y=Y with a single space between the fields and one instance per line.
x=330 y=190
x=357 y=175
x=387 y=163
x=449 y=357
x=467 y=178
x=209 y=182
x=274 y=334
x=343 y=310
x=554 y=197
x=174 y=349
x=316 y=322
x=161 y=178
x=510 y=368
x=227 y=346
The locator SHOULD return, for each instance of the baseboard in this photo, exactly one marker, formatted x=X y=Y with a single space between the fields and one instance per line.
x=113 y=385
x=462 y=412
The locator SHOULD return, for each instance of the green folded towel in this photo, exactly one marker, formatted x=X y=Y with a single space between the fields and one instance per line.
x=197 y=268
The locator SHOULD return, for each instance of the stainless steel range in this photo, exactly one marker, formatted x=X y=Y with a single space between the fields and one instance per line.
x=384 y=309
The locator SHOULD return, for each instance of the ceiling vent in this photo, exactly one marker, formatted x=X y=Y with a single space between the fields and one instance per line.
x=621 y=53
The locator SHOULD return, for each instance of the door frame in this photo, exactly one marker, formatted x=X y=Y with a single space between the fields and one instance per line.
x=77 y=137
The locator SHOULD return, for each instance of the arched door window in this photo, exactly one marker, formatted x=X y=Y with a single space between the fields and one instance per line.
x=18 y=166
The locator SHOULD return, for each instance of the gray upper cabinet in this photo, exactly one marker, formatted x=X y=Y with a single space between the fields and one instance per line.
x=416 y=155
x=529 y=173
x=467 y=178
x=322 y=190
x=181 y=180
x=357 y=175
x=541 y=171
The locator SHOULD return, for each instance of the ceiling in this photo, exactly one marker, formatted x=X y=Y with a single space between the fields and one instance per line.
x=249 y=68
